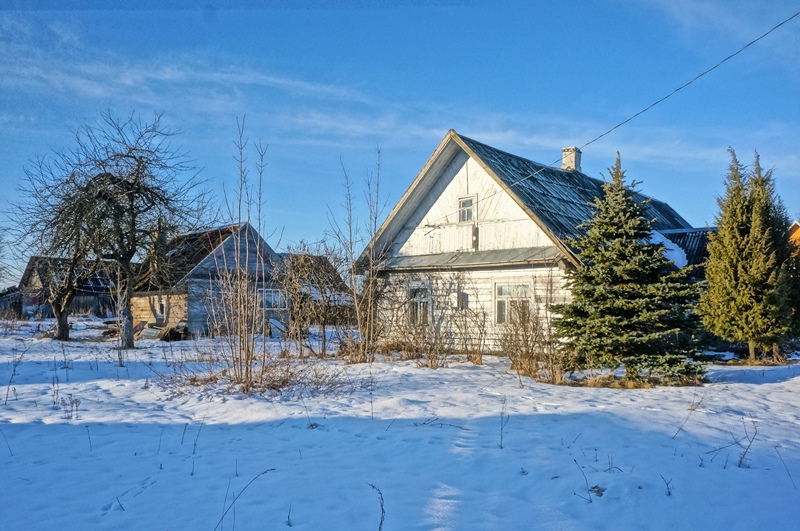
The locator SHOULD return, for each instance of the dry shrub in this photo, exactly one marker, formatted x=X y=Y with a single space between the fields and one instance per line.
x=280 y=375
x=528 y=342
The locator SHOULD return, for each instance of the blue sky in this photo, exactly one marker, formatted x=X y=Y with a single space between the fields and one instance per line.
x=325 y=83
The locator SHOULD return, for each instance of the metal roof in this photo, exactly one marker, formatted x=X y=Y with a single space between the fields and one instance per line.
x=561 y=199
x=694 y=242
x=466 y=259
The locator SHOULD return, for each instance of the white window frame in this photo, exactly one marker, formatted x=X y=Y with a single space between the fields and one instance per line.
x=419 y=303
x=468 y=214
x=507 y=295
x=273 y=294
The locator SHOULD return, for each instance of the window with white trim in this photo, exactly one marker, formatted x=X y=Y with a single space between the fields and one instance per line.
x=466 y=209
x=512 y=303
x=273 y=299
x=419 y=304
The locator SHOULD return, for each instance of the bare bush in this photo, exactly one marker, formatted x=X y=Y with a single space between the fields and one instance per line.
x=422 y=312
x=361 y=271
x=528 y=339
x=235 y=297
x=317 y=295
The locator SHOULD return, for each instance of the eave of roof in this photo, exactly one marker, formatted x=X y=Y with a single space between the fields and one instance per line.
x=469 y=259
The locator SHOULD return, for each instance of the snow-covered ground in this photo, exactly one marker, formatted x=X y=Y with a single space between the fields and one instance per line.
x=138 y=456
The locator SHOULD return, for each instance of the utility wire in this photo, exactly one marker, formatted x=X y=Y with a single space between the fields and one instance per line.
x=636 y=115
x=698 y=76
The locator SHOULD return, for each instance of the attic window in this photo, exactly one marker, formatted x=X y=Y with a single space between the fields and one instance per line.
x=466 y=209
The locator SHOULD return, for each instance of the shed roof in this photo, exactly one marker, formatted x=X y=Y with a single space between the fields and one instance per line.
x=93 y=278
x=180 y=256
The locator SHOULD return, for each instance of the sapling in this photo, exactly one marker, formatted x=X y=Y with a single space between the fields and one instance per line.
x=503 y=421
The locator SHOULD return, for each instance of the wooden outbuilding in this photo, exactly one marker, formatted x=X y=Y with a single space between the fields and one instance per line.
x=181 y=281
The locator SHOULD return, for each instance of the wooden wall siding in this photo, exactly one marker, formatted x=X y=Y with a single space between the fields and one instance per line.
x=434 y=226
x=201 y=297
x=547 y=284
x=97 y=304
x=204 y=296
x=144 y=307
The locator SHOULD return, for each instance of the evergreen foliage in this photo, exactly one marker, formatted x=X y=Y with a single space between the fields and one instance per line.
x=751 y=270
x=631 y=306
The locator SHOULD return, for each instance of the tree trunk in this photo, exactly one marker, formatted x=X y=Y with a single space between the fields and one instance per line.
x=751 y=345
x=777 y=357
x=126 y=316
x=62 y=322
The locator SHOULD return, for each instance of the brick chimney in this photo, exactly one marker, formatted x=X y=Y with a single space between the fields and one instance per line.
x=571 y=159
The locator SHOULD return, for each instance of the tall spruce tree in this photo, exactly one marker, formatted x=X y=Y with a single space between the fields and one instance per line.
x=751 y=270
x=631 y=306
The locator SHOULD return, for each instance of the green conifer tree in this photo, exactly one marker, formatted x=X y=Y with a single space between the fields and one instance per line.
x=631 y=306
x=751 y=273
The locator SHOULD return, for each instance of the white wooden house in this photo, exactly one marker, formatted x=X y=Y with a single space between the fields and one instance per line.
x=481 y=232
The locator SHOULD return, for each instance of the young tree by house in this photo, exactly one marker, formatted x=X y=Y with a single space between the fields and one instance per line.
x=315 y=293
x=362 y=269
x=751 y=271
x=631 y=306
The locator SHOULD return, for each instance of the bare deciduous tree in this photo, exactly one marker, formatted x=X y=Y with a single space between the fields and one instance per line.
x=131 y=187
x=51 y=222
x=105 y=200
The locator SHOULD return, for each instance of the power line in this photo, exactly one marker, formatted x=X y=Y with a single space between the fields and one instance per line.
x=636 y=115
x=695 y=78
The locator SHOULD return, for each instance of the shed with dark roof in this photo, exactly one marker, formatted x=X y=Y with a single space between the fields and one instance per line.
x=179 y=281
